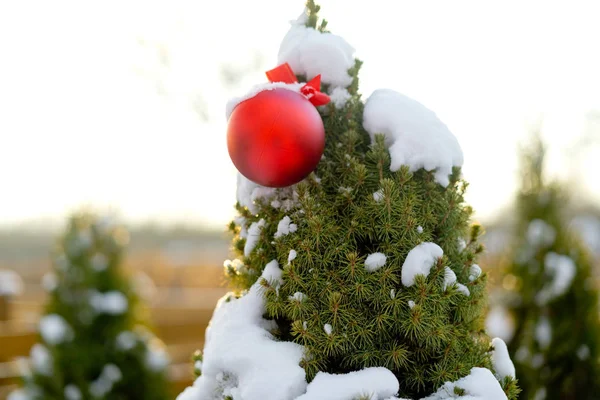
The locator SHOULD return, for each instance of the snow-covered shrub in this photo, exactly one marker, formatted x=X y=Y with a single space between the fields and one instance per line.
x=361 y=281
x=91 y=344
x=551 y=302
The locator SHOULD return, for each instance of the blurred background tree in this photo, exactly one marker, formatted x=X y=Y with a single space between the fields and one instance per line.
x=549 y=306
x=93 y=342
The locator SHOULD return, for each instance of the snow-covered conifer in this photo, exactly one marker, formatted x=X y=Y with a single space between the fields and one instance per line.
x=382 y=296
x=92 y=344
x=551 y=302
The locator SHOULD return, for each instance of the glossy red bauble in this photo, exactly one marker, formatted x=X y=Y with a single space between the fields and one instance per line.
x=275 y=138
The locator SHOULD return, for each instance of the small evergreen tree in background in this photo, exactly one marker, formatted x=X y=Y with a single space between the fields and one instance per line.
x=361 y=281
x=552 y=296
x=91 y=344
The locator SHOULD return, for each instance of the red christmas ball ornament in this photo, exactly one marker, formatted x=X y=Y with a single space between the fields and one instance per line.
x=276 y=138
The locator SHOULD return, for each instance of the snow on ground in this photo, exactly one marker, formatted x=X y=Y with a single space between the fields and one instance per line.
x=480 y=384
x=55 y=330
x=419 y=261
x=540 y=233
x=253 y=236
x=562 y=270
x=499 y=323
x=501 y=361
x=285 y=227
x=414 y=134
x=310 y=52
x=373 y=383
x=235 y=363
x=11 y=283
x=375 y=261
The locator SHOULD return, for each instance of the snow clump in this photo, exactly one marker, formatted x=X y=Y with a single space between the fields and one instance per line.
x=419 y=261
x=55 y=330
x=501 y=360
x=310 y=53
x=414 y=135
x=375 y=261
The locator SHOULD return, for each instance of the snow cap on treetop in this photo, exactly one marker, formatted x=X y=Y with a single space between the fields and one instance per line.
x=414 y=134
x=310 y=53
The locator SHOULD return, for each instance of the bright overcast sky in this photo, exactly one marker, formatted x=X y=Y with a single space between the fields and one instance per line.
x=82 y=122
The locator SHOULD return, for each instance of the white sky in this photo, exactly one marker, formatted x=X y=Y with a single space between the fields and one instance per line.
x=81 y=121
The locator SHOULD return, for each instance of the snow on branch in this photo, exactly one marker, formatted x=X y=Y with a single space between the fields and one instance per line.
x=480 y=384
x=414 y=134
x=419 y=261
x=373 y=383
x=241 y=357
x=310 y=52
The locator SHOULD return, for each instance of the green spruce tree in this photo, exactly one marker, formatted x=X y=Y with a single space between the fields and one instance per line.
x=364 y=274
x=92 y=343
x=552 y=295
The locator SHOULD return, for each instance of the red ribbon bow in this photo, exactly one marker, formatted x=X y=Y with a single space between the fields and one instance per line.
x=311 y=90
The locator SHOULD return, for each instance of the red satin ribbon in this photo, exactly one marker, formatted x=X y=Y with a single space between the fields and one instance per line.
x=311 y=90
